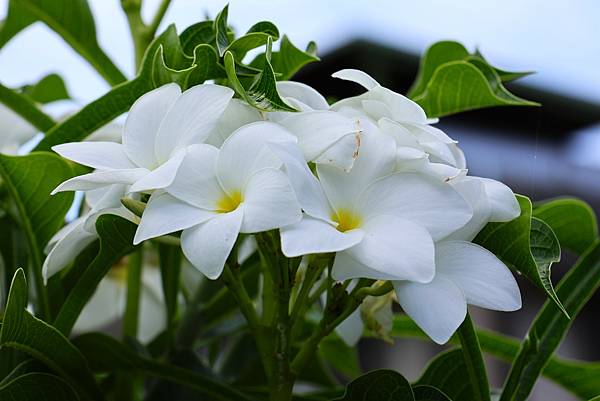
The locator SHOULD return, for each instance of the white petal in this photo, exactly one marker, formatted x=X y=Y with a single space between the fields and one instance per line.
x=302 y=93
x=399 y=249
x=111 y=132
x=424 y=200
x=106 y=197
x=308 y=190
x=269 y=202
x=319 y=130
x=245 y=152
x=72 y=242
x=346 y=267
x=505 y=206
x=99 y=179
x=399 y=132
x=208 y=245
x=351 y=329
x=196 y=181
x=338 y=154
x=104 y=307
x=483 y=278
x=315 y=236
x=98 y=155
x=246 y=249
x=166 y=214
x=143 y=121
x=191 y=119
x=438 y=307
x=162 y=176
x=236 y=115
x=473 y=191
x=401 y=108
x=377 y=158
x=360 y=77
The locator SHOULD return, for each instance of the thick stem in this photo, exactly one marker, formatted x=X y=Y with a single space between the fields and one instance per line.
x=134 y=280
x=474 y=360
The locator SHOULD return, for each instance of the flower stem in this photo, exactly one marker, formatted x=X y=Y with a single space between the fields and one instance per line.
x=474 y=360
x=134 y=279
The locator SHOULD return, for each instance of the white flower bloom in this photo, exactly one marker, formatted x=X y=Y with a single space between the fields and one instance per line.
x=15 y=131
x=160 y=125
x=382 y=224
x=69 y=241
x=466 y=273
x=218 y=193
x=420 y=147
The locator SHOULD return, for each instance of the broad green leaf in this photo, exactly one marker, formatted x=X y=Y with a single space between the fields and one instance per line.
x=26 y=108
x=342 y=357
x=220 y=28
x=447 y=373
x=526 y=245
x=578 y=377
x=473 y=360
x=107 y=355
x=262 y=94
x=46 y=90
x=164 y=61
x=380 y=385
x=451 y=80
x=200 y=33
x=572 y=220
x=429 y=393
x=37 y=386
x=73 y=20
x=29 y=180
x=256 y=36
x=116 y=240
x=550 y=326
x=24 y=332
x=289 y=59
x=17 y=19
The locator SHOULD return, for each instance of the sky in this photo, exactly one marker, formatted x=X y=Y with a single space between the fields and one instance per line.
x=558 y=39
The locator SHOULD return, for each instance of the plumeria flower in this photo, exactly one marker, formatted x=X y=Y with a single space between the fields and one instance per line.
x=421 y=147
x=73 y=238
x=107 y=305
x=15 y=131
x=219 y=193
x=466 y=273
x=382 y=224
x=160 y=125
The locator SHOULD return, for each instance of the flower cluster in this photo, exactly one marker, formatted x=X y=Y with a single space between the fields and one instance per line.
x=368 y=179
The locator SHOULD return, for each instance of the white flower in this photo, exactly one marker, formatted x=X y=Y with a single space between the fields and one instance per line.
x=420 y=147
x=160 y=125
x=70 y=240
x=382 y=224
x=15 y=131
x=466 y=273
x=218 y=193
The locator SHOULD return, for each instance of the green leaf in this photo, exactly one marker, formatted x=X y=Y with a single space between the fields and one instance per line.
x=451 y=80
x=17 y=19
x=473 y=360
x=380 y=385
x=47 y=90
x=429 y=393
x=289 y=59
x=37 y=386
x=580 y=378
x=220 y=28
x=256 y=36
x=73 y=20
x=29 y=180
x=200 y=33
x=26 y=108
x=24 y=332
x=163 y=62
x=447 y=373
x=262 y=94
x=342 y=357
x=116 y=241
x=572 y=220
x=107 y=355
x=550 y=325
x=526 y=245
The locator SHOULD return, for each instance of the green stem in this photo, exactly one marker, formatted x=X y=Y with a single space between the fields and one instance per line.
x=134 y=280
x=474 y=360
x=133 y=11
x=158 y=17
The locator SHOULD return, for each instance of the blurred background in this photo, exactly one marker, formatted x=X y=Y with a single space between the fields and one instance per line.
x=540 y=152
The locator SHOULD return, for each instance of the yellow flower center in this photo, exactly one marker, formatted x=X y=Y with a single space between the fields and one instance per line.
x=346 y=219
x=228 y=203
